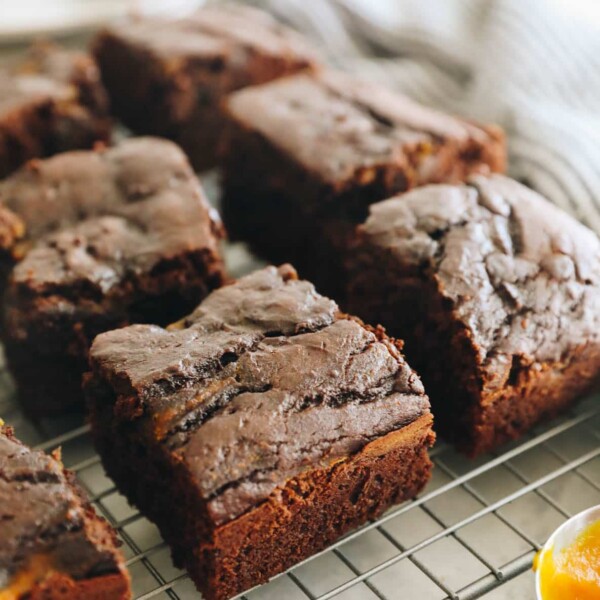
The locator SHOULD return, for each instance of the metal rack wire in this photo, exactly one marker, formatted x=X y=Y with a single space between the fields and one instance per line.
x=471 y=534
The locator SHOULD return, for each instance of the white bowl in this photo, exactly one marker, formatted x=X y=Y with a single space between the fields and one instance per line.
x=563 y=537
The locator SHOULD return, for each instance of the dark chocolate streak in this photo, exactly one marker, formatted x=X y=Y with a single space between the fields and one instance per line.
x=265 y=379
x=520 y=274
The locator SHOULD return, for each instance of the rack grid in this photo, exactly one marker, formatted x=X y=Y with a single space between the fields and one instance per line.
x=472 y=533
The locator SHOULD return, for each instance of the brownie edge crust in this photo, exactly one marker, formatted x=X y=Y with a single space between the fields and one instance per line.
x=259 y=429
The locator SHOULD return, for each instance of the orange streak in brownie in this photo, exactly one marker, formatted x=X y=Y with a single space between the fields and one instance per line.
x=37 y=569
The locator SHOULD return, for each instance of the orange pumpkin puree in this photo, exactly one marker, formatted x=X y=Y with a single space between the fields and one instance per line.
x=573 y=573
x=38 y=569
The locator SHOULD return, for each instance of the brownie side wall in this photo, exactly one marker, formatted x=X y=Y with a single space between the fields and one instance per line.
x=62 y=587
x=279 y=233
x=137 y=84
x=409 y=305
x=170 y=290
x=75 y=128
x=317 y=508
x=144 y=474
x=19 y=139
x=45 y=385
x=310 y=512
x=537 y=395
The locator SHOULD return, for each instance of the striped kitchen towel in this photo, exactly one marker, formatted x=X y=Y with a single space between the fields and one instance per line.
x=533 y=66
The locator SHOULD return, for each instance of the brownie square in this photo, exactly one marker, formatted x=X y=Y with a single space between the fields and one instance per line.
x=108 y=237
x=307 y=154
x=54 y=546
x=259 y=429
x=168 y=77
x=52 y=102
x=497 y=294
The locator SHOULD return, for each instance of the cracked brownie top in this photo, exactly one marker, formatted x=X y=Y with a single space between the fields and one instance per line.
x=341 y=128
x=264 y=380
x=520 y=274
x=44 y=518
x=97 y=217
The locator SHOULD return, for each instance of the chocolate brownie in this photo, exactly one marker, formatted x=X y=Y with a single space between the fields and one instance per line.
x=307 y=155
x=168 y=78
x=258 y=429
x=54 y=546
x=497 y=294
x=111 y=237
x=52 y=102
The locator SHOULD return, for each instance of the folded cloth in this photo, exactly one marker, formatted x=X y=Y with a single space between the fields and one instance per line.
x=532 y=66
